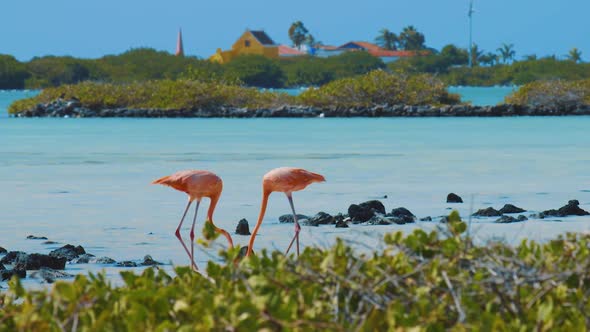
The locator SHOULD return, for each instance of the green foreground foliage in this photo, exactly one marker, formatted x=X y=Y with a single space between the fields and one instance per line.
x=428 y=281
x=376 y=87
x=555 y=94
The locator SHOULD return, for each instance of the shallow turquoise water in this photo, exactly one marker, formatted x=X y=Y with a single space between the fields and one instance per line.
x=86 y=181
x=480 y=96
x=483 y=96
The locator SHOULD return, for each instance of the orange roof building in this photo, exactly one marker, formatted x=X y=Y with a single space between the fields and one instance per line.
x=251 y=42
x=377 y=51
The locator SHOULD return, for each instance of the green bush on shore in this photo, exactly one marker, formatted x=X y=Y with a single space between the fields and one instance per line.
x=423 y=281
x=377 y=87
x=555 y=94
x=380 y=87
x=163 y=94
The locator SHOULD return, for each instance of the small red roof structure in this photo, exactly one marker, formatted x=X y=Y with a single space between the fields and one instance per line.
x=285 y=50
x=327 y=47
x=179 y=45
x=377 y=51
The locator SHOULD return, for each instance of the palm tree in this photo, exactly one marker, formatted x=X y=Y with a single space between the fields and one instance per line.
x=387 y=39
x=411 y=39
x=489 y=59
x=507 y=52
x=297 y=33
x=575 y=55
x=476 y=54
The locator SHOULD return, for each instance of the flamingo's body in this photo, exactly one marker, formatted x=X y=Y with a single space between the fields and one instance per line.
x=285 y=180
x=197 y=184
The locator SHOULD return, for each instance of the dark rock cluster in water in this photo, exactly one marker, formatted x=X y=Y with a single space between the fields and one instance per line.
x=73 y=108
x=509 y=208
x=487 y=212
x=69 y=252
x=363 y=212
x=572 y=208
x=288 y=218
x=511 y=219
x=50 y=267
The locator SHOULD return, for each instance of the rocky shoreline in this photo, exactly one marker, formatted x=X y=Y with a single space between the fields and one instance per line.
x=51 y=266
x=73 y=108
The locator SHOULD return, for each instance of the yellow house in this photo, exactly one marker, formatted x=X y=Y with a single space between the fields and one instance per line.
x=251 y=42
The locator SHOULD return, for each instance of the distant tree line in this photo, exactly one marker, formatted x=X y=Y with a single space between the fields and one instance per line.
x=143 y=64
x=147 y=64
x=493 y=68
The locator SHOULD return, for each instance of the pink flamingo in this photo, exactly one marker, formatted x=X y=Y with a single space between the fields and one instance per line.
x=286 y=180
x=196 y=184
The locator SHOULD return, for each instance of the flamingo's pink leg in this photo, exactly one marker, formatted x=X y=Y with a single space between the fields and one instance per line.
x=297 y=227
x=177 y=233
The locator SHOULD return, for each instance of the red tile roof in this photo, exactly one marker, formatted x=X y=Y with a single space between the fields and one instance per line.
x=376 y=50
x=286 y=50
x=366 y=45
x=327 y=47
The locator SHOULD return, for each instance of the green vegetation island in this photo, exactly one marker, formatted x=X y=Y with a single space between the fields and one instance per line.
x=423 y=281
x=375 y=94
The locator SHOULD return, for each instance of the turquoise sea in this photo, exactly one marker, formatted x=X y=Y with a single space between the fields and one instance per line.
x=481 y=96
x=87 y=181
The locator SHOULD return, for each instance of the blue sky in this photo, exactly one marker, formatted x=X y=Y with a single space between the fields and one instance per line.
x=91 y=29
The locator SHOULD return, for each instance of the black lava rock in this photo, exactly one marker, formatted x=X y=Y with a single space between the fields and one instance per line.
x=33 y=237
x=49 y=275
x=243 y=228
x=288 y=218
x=69 y=252
x=341 y=224
x=7 y=274
x=308 y=222
x=83 y=259
x=339 y=217
x=509 y=208
x=365 y=211
x=148 y=261
x=522 y=218
x=37 y=261
x=506 y=220
x=322 y=218
x=454 y=198
x=570 y=209
x=489 y=212
x=127 y=264
x=12 y=256
x=426 y=219
x=105 y=260
x=383 y=220
x=3 y=251
x=243 y=252
x=404 y=214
